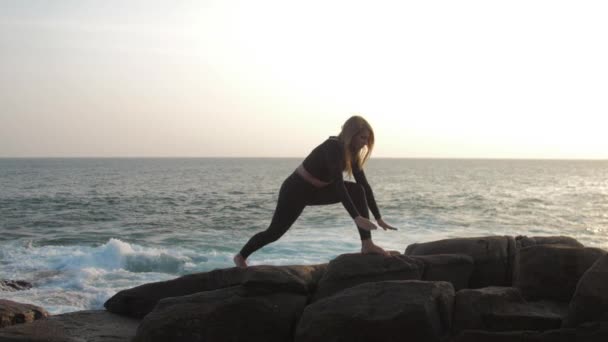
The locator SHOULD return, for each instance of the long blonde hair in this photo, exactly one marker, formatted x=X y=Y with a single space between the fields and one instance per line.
x=353 y=126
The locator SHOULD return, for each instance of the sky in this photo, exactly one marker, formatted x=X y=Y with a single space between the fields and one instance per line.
x=435 y=79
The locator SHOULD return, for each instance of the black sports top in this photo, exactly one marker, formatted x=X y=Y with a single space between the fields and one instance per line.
x=326 y=163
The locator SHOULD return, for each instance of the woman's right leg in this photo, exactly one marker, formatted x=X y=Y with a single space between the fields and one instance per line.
x=357 y=194
x=329 y=195
x=290 y=205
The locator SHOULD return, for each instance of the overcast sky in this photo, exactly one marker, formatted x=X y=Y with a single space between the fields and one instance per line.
x=440 y=79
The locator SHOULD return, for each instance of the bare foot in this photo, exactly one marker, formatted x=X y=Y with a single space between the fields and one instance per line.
x=373 y=249
x=239 y=261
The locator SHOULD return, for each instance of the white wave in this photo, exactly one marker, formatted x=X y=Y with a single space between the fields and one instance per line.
x=117 y=254
x=70 y=278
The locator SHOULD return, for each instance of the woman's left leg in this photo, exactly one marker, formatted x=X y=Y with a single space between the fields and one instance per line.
x=290 y=204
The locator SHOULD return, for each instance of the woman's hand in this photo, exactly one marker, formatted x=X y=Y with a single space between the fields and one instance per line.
x=385 y=225
x=364 y=223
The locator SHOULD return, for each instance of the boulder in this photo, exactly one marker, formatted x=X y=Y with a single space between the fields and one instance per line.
x=15 y=313
x=14 y=285
x=593 y=332
x=140 y=300
x=471 y=305
x=453 y=268
x=552 y=271
x=590 y=300
x=541 y=315
x=81 y=326
x=380 y=311
x=230 y=314
x=522 y=241
x=516 y=336
x=348 y=270
x=493 y=256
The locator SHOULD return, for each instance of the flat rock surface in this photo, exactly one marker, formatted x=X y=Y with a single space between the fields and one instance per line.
x=141 y=300
x=541 y=315
x=12 y=313
x=387 y=311
x=80 y=326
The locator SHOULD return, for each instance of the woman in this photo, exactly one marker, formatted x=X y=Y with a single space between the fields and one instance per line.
x=318 y=181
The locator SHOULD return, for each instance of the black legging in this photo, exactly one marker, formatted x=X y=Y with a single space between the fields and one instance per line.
x=294 y=196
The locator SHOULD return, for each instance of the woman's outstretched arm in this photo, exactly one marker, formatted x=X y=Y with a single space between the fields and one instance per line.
x=369 y=194
x=371 y=201
x=334 y=161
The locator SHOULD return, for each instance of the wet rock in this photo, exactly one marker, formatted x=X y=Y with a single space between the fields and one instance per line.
x=81 y=326
x=231 y=314
x=593 y=332
x=380 y=311
x=453 y=268
x=493 y=256
x=471 y=305
x=522 y=241
x=541 y=315
x=140 y=300
x=348 y=270
x=552 y=271
x=590 y=300
x=15 y=313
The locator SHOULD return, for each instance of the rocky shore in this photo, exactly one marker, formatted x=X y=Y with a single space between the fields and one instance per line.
x=494 y=288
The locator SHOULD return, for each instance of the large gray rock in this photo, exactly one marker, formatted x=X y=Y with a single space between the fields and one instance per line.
x=381 y=311
x=81 y=326
x=552 y=271
x=348 y=270
x=453 y=268
x=493 y=256
x=140 y=300
x=595 y=332
x=230 y=314
x=522 y=241
x=590 y=300
x=541 y=315
x=471 y=305
x=15 y=313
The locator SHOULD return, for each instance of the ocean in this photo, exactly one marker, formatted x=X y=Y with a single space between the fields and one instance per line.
x=82 y=229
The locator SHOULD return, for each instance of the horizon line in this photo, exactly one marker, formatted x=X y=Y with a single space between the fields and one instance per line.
x=266 y=157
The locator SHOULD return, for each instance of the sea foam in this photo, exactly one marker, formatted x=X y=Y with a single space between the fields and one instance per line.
x=117 y=254
x=70 y=278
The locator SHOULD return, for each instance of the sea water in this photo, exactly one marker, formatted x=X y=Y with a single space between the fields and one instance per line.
x=82 y=229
